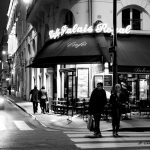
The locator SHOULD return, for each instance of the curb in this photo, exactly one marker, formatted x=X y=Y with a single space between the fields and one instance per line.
x=52 y=125
x=135 y=129
x=12 y=101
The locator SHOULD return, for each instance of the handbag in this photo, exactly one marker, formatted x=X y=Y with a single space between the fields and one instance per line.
x=91 y=123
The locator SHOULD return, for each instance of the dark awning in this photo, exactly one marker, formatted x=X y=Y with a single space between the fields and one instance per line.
x=134 y=53
x=72 y=49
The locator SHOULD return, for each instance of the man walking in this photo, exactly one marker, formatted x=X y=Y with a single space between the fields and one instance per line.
x=34 y=98
x=96 y=106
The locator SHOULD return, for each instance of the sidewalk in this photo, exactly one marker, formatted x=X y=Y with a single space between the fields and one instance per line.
x=63 y=122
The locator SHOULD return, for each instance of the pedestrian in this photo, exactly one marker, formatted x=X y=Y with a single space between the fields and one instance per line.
x=43 y=98
x=9 y=89
x=96 y=106
x=34 y=98
x=116 y=100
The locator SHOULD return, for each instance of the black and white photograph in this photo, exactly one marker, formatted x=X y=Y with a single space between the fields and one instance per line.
x=74 y=74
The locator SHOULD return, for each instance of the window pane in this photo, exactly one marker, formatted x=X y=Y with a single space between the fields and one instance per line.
x=69 y=19
x=136 y=14
x=136 y=20
x=125 y=17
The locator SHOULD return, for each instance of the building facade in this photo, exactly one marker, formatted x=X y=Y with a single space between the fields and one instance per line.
x=4 y=67
x=21 y=48
x=75 y=80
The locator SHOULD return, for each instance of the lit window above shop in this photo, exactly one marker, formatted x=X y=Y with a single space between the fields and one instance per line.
x=131 y=16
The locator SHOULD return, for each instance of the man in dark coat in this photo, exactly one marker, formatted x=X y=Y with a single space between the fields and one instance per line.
x=96 y=106
x=34 y=98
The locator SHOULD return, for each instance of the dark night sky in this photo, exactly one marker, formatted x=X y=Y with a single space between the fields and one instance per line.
x=4 y=4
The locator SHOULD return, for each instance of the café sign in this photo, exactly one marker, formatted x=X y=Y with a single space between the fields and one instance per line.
x=76 y=29
x=141 y=70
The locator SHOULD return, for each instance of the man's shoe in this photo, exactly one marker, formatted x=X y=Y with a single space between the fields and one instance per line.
x=98 y=135
x=117 y=134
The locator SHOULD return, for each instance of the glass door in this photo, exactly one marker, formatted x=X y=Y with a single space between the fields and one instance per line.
x=70 y=85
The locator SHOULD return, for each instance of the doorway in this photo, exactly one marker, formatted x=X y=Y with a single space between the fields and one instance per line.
x=70 y=84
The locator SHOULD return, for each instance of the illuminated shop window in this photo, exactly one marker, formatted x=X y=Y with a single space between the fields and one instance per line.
x=131 y=17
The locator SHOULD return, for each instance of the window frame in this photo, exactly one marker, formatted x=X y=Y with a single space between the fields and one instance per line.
x=132 y=20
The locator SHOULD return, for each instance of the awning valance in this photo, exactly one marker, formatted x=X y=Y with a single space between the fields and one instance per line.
x=72 y=49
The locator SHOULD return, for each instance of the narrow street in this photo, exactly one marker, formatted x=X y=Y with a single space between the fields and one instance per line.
x=19 y=130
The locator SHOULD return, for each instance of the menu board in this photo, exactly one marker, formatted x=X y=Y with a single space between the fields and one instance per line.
x=108 y=80
x=83 y=82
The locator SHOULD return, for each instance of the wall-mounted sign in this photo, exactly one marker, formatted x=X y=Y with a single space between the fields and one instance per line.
x=108 y=81
x=100 y=28
x=105 y=79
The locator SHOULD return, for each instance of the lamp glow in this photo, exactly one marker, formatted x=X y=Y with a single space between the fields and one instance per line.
x=4 y=52
x=7 y=79
x=26 y=1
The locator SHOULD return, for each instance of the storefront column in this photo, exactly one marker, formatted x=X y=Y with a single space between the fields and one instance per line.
x=44 y=77
x=137 y=89
x=148 y=87
x=32 y=79
x=58 y=82
x=62 y=85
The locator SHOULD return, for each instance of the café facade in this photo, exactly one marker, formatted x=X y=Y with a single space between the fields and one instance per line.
x=83 y=58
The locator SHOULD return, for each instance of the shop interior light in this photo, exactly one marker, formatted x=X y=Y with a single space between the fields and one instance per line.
x=7 y=79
